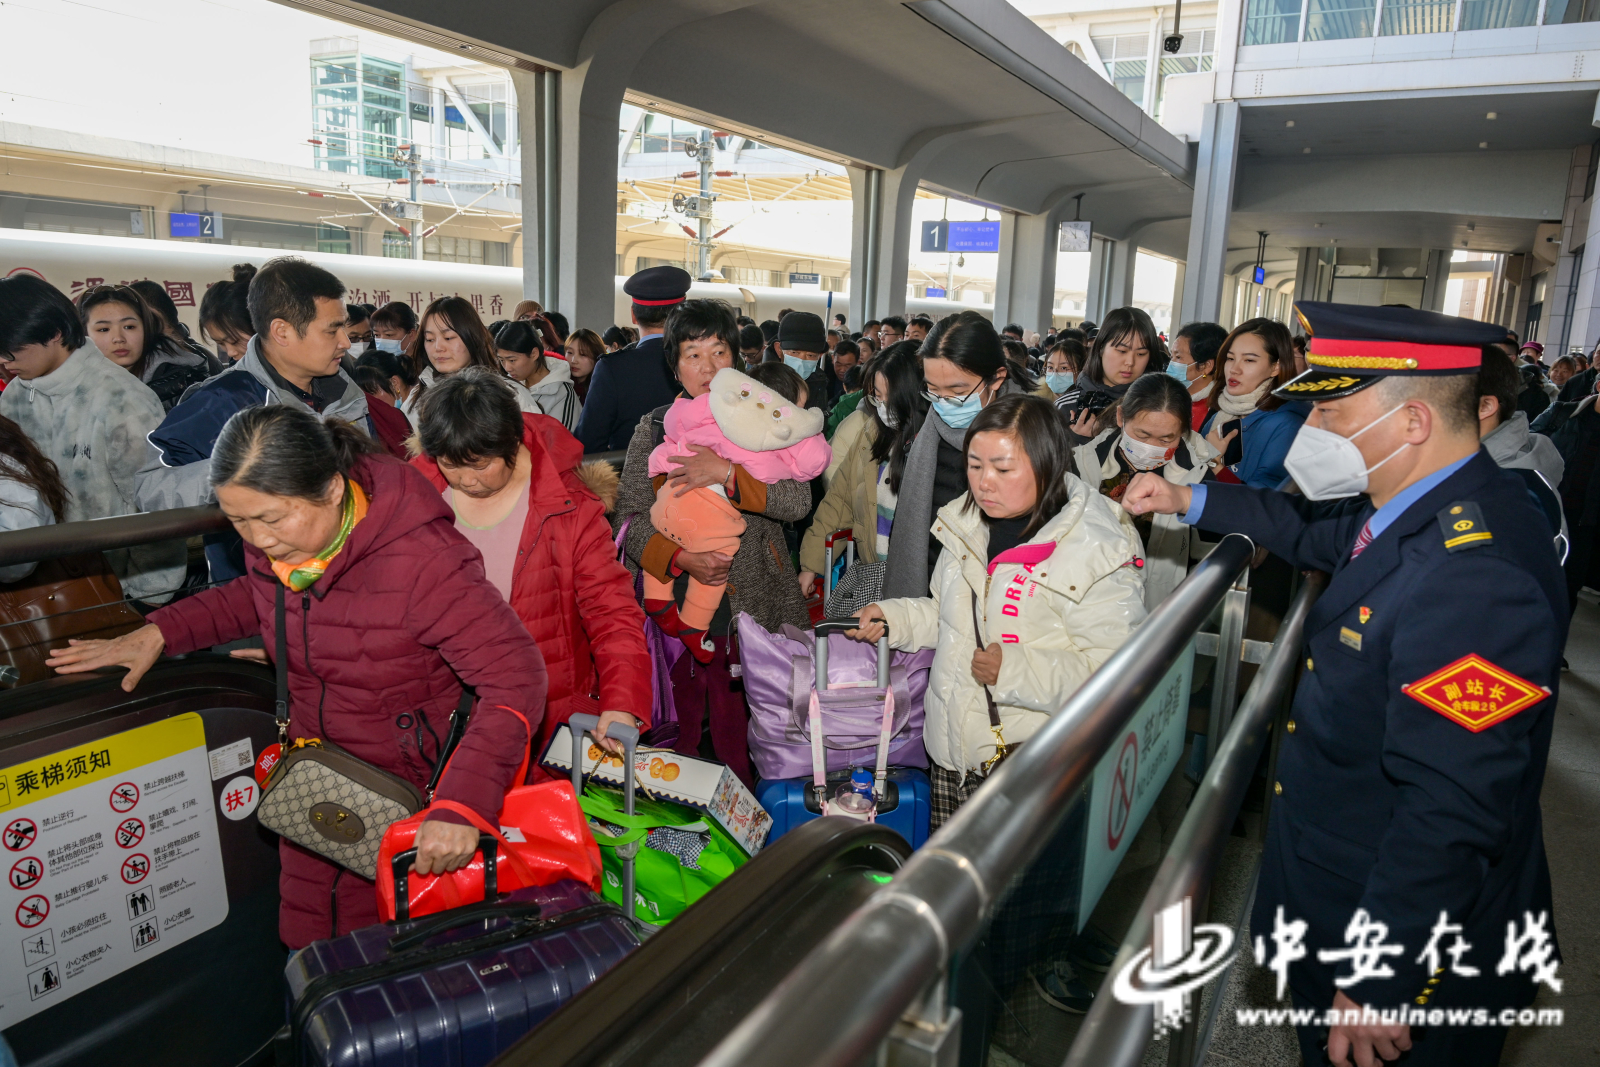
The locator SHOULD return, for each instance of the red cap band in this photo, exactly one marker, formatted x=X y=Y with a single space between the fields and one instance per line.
x=1341 y=354
x=658 y=303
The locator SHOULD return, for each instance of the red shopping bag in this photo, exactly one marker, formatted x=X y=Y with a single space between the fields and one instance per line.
x=542 y=838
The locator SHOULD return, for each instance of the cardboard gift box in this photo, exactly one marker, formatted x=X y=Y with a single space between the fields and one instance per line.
x=663 y=774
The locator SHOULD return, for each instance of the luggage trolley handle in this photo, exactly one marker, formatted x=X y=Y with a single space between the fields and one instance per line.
x=579 y=726
x=401 y=863
x=820 y=655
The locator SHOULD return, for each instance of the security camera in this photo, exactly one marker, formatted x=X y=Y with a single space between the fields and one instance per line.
x=1173 y=42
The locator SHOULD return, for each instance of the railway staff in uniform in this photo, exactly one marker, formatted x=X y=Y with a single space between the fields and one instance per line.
x=1408 y=781
x=632 y=382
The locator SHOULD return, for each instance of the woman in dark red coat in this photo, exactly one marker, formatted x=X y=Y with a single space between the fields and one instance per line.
x=522 y=493
x=387 y=607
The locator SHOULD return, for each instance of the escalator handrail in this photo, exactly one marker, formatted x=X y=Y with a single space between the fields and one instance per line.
x=896 y=945
x=1115 y=1034
x=38 y=543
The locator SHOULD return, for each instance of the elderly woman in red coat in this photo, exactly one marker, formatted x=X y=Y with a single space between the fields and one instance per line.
x=522 y=494
x=386 y=608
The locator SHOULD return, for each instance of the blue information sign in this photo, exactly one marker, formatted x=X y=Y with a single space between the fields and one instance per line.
x=1261 y=276
x=934 y=294
x=934 y=235
x=184 y=224
x=974 y=237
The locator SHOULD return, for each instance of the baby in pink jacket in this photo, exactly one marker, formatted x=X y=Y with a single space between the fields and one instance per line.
x=748 y=424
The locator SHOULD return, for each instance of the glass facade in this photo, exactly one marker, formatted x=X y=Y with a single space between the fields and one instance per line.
x=359 y=113
x=1335 y=20
x=1271 y=21
x=1278 y=21
x=1417 y=16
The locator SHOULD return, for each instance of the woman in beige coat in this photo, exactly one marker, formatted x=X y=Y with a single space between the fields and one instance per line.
x=1044 y=566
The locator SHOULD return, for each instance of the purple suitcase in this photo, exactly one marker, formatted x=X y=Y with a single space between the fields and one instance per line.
x=779 y=675
x=457 y=988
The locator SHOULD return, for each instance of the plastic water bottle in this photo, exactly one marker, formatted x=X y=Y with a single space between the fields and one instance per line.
x=854 y=798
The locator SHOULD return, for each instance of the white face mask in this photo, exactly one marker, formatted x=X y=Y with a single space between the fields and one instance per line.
x=884 y=414
x=386 y=344
x=1143 y=455
x=357 y=348
x=1326 y=466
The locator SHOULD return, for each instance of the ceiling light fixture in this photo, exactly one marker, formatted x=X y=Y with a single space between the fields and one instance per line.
x=1491 y=116
x=1289 y=125
x=1483 y=144
x=1305 y=151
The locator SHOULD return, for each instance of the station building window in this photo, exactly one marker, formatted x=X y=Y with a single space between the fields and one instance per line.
x=1271 y=21
x=1279 y=21
x=57 y=215
x=1502 y=14
x=1337 y=20
x=288 y=236
x=1194 y=56
x=439 y=249
x=1559 y=11
x=1417 y=16
x=1125 y=57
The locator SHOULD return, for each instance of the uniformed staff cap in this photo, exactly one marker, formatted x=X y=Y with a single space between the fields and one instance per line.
x=658 y=286
x=1350 y=346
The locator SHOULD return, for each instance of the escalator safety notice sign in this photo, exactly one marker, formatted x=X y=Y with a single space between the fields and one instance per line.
x=113 y=855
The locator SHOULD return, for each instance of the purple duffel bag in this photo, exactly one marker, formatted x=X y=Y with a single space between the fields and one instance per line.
x=779 y=674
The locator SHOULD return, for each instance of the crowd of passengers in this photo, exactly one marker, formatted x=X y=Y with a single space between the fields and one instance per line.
x=418 y=484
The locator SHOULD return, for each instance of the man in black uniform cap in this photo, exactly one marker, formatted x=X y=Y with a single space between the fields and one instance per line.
x=1404 y=866
x=632 y=381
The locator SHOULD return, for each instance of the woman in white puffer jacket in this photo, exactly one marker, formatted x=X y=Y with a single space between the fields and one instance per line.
x=1054 y=575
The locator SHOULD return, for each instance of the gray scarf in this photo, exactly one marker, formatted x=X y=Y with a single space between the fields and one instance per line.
x=907 y=572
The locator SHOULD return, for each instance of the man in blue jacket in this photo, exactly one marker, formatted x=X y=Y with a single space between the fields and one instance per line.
x=1405 y=867
x=631 y=382
x=294 y=358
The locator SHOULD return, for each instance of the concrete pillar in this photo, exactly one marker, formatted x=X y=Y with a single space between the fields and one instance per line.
x=1585 y=329
x=538 y=101
x=1559 y=296
x=1094 y=300
x=585 y=143
x=1215 y=170
x=866 y=195
x=1025 y=286
x=1119 y=276
x=1177 y=300
x=371 y=236
x=1436 y=262
x=1305 y=274
x=898 y=189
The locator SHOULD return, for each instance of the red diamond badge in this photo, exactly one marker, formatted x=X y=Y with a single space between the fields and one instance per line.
x=1475 y=693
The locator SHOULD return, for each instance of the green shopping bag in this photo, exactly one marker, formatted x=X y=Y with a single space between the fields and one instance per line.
x=665 y=881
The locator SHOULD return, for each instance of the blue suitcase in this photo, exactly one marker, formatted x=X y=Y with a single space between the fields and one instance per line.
x=905 y=807
x=457 y=988
x=904 y=796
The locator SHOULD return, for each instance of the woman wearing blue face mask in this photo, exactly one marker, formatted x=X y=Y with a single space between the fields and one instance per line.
x=394 y=326
x=965 y=369
x=1061 y=367
x=1194 y=363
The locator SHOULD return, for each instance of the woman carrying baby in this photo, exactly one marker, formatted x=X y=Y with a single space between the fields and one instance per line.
x=756 y=574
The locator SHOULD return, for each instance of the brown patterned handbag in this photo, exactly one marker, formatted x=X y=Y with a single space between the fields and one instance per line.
x=327 y=801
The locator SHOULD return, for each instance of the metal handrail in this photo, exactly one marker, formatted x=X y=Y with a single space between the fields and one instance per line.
x=37 y=543
x=848 y=994
x=1115 y=1034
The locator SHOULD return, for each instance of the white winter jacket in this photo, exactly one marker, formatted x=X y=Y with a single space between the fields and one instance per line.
x=555 y=395
x=1058 y=605
x=90 y=417
x=1167 y=555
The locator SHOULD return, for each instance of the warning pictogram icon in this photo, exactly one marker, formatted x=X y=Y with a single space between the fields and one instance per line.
x=145 y=934
x=19 y=834
x=1122 y=782
x=140 y=902
x=33 y=911
x=38 y=946
x=135 y=868
x=124 y=795
x=129 y=832
x=46 y=979
x=26 y=872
